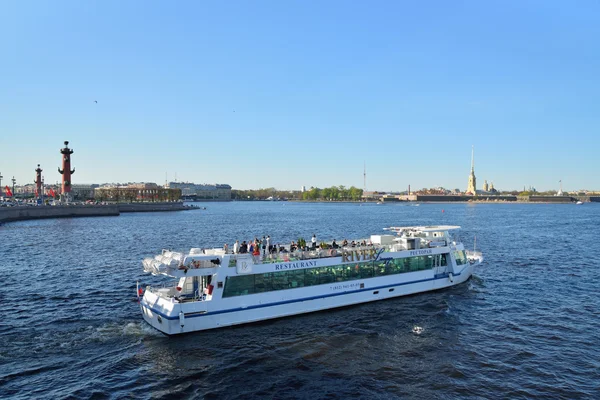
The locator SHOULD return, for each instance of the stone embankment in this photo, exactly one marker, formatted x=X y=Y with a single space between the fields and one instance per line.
x=21 y=213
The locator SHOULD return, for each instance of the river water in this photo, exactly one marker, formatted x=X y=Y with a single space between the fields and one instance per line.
x=527 y=325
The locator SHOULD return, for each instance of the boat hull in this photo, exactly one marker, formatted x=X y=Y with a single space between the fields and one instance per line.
x=174 y=318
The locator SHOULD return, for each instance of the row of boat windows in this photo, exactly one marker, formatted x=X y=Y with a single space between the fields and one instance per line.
x=271 y=281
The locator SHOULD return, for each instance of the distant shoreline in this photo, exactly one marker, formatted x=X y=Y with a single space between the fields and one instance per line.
x=420 y=201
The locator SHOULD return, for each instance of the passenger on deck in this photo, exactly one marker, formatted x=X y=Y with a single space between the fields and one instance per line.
x=236 y=247
x=244 y=248
x=334 y=244
x=226 y=248
x=314 y=241
x=251 y=248
x=345 y=243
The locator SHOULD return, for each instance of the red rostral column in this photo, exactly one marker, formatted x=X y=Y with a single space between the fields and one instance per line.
x=66 y=169
x=38 y=181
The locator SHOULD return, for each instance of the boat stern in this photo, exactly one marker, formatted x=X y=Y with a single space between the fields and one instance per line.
x=160 y=313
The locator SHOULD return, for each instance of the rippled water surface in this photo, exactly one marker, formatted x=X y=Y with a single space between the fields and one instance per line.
x=527 y=325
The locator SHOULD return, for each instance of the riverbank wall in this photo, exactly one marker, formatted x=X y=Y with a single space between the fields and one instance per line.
x=21 y=213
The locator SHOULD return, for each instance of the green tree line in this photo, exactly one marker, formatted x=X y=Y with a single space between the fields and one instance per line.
x=333 y=193
x=263 y=194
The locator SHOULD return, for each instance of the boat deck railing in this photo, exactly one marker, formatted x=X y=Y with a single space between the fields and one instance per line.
x=286 y=255
x=170 y=292
x=163 y=290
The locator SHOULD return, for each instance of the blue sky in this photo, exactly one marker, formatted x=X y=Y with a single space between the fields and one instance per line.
x=290 y=93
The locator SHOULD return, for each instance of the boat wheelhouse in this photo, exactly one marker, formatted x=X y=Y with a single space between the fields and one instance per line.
x=216 y=289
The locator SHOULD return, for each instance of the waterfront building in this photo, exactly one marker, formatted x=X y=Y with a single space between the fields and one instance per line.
x=24 y=190
x=202 y=192
x=142 y=185
x=485 y=186
x=472 y=185
x=372 y=195
x=83 y=191
x=144 y=192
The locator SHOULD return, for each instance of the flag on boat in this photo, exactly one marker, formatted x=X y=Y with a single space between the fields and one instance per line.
x=139 y=291
x=8 y=192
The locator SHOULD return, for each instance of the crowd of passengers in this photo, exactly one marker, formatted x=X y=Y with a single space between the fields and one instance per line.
x=258 y=247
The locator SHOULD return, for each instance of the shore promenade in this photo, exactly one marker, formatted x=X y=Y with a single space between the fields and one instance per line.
x=21 y=213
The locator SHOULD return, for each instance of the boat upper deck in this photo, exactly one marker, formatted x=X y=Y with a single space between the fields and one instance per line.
x=405 y=238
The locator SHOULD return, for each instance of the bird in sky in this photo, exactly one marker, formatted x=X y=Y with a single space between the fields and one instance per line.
x=96 y=101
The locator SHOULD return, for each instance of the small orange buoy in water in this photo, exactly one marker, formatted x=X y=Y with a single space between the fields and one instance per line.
x=442 y=210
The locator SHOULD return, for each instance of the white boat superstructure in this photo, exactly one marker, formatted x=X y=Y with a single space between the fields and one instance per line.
x=217 y=289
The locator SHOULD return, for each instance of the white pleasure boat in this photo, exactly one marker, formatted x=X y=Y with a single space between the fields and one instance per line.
x=216 y=289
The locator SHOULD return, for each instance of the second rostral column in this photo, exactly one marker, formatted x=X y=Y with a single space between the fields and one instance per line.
x=66 y=171
x=38 y=183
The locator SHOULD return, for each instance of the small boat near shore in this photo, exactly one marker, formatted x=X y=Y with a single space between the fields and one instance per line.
x=214 y=289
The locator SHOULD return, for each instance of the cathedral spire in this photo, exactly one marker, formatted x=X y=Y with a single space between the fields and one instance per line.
x=472 y=185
